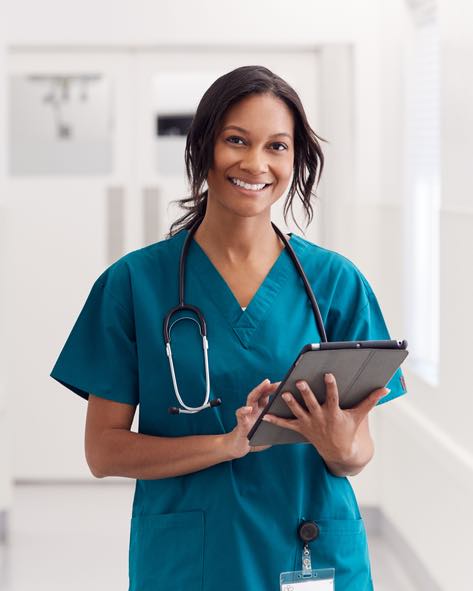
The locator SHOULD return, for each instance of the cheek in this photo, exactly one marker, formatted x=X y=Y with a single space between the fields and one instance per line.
x=284 y=166
x=285 y=173
x=215 y=177
x=223 y=158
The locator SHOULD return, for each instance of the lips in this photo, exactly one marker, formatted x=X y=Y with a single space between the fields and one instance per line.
x=266 y=185
x=248 y=181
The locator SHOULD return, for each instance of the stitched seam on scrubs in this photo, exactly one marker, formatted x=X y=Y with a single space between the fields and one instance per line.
x=369 y=291
x=367 y=286
x=128 y=318
x=115 y=299
x=354 y=319
x=273 y=287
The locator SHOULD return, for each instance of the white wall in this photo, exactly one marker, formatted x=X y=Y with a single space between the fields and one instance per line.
x=147 y=22
x=425 y=441
x=5 y=417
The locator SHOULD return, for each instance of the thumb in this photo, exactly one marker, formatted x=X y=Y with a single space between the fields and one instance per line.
x=366 y=405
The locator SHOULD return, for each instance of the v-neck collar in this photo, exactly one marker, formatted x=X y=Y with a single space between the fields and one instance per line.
x=243 y=322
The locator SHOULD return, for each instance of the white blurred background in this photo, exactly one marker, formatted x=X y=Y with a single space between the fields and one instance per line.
x=85 y=177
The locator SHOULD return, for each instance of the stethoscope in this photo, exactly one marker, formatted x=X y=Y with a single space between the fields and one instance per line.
x=184 y=408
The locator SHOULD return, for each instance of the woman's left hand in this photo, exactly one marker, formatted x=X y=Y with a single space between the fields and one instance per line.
x=329 y=428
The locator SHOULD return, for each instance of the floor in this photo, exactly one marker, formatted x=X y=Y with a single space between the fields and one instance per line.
x=59 y=541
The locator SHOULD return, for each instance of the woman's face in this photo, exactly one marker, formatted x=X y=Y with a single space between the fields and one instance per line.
x=255 y=147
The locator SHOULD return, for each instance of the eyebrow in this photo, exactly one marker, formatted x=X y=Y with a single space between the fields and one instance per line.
x=246 y=131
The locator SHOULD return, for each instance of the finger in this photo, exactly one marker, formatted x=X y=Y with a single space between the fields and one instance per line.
x=313 y=405
x=256 y=393
x=295 y=407
x=243 y=414
x=263 y=401
x=292 y=424
x=260 y=447
x=331 y=392
x=259 y=396
x=366 y=405
x=270 y=388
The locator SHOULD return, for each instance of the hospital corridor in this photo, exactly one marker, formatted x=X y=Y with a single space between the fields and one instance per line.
x=235 y=295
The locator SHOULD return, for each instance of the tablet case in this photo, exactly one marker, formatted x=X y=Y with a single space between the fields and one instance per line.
x=359 y=368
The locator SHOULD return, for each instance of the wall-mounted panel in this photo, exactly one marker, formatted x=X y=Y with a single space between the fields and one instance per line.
x=60 y=124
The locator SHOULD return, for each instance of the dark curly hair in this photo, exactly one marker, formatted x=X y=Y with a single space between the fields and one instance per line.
x=219 y=97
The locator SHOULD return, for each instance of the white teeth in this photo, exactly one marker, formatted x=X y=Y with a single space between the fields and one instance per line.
x=246 y=185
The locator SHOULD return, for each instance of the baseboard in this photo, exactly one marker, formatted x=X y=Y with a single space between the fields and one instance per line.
x=378 y=524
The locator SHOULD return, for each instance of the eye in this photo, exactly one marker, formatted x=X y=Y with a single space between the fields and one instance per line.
x=284 y=147
x=233 y=137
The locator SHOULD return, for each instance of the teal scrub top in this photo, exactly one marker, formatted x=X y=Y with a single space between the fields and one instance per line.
x=233 y=525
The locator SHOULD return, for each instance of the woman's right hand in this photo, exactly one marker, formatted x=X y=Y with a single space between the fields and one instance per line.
x=246 y=416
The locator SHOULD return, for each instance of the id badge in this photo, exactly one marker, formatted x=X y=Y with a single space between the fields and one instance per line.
x=308 y=579
x=313 y=580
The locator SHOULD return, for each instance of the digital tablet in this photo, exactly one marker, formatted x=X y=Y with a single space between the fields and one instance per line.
x=359 y=367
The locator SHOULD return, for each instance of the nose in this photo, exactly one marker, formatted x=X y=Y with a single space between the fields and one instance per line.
x=254 y=161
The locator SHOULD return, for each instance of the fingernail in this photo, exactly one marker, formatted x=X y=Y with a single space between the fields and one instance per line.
x=387 y=390
x=266 y=418
x=286 y=396
x=301 y=385
x=329 y=379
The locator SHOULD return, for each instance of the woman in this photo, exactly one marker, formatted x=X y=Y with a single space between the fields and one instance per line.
x=207 y=514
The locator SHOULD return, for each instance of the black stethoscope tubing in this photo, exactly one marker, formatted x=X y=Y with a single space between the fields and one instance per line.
x=203 y=327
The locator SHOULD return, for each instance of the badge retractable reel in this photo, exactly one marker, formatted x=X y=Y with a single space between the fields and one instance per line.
x=308 y=579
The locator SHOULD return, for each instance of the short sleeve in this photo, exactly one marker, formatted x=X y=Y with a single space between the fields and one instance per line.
x=100 y=354
x=359 y=317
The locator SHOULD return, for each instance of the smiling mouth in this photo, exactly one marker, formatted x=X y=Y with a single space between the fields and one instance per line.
x=254 y=188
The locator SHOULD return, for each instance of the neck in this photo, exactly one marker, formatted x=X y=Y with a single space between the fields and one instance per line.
x=237 y=238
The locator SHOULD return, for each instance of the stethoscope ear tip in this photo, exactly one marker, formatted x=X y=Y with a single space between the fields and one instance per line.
x=172 y=410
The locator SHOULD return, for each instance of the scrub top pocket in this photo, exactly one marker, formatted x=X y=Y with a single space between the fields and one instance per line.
x=342 y=544
x=167 y=552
